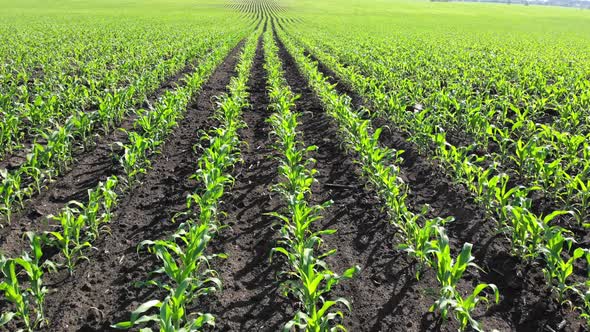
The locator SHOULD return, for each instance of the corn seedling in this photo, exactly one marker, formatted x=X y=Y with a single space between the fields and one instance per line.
x=14 y=294
x=448 y=273
x=420 y=241
x=69 y=240
x=559 y=269
x=27 y=301
x=98 y=211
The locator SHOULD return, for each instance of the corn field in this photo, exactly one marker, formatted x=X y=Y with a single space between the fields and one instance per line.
x=286 y=165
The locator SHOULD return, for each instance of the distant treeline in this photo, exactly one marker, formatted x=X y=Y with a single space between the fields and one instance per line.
x=563 y=3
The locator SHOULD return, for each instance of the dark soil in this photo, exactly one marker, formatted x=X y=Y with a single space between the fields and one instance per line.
x=91 y=166
x=103 y=291
x=250 y=300
x=386 y=296
x=543 y=203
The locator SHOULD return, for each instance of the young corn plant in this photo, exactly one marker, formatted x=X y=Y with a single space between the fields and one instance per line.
x=98 y=210
x=148 y=122
x=558 y=269
x=13 y=293
x=186 y=267
x=110 y=109
x=10 y=124
x=448 y=273
x=183 y=258
x=83 y=125
x=34 y=269
x=135 y=158
x=9 y=193
x=58 y=150
x=420 y=241
x=465 y=306
x=452 y=156
x=486 y=185
x=173 y=314
x=91 y=212
x=528 y=230
x=578 y=191
x=584 y=297
x=314 y=281
x=28 y=302
x=36 y=176
x=69 y=241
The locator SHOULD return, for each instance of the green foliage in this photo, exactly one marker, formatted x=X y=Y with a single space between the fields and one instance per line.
x=70 y=240
x=27 y=301
x=85 y=84
x=448 y=273
x=185 y=273
x=509 y=124
x=309 y=278
x=428 y=243
x=559 y=269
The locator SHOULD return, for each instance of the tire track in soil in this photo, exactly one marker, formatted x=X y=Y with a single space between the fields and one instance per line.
x=91 y=166
x=250 y=299
x=524 y=305
x=102 y=292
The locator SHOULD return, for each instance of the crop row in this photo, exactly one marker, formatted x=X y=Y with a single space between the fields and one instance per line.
x=422 y=238
x=81 y=223
x=533 y=237
x=265 y=7
x=257 y=11
x=185 y=263
x=309 y=277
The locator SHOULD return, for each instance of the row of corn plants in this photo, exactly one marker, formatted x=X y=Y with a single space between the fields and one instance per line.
x=74 y=75
x=308 y=277
x=554 y=158
x=52 y=70
x=80 y=224
x=423 y=238
x=533 y=237
x=56 y=155
x=21 y=282
x=185 y=272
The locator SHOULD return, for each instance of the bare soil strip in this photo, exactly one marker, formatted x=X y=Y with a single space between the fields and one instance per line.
x=525 y=306
x=102 y=291
x=250 y=299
